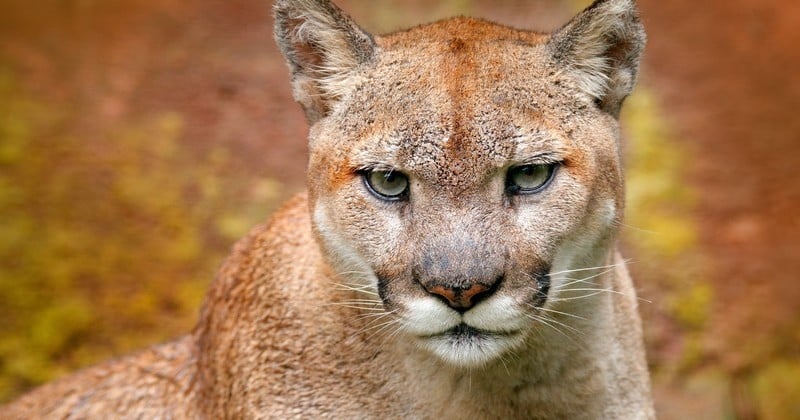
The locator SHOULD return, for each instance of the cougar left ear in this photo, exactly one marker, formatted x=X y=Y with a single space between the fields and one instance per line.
x=602 y=47
x=322 y=46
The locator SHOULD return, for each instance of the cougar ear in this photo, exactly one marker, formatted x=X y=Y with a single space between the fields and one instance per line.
x=601 y=48
x=322 y=46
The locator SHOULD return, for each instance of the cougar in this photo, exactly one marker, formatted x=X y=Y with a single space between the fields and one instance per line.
x=454 y=257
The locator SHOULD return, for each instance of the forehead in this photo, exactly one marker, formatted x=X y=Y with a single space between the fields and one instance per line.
x=454 y=99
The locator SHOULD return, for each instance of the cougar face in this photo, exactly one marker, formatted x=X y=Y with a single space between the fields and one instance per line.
x=455 y=179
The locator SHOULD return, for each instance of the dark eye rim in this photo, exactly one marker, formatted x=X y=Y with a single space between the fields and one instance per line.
x=514 y=189
x=365 y=173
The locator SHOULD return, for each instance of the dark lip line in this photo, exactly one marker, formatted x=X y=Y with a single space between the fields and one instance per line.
x=454 y=331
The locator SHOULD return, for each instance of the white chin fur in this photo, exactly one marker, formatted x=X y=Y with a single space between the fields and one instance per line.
x=470 y=351
x=432 y=322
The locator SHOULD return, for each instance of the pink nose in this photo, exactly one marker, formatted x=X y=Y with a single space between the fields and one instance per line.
x=461 y=297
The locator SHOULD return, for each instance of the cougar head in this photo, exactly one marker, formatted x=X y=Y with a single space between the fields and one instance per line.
x=459 y=169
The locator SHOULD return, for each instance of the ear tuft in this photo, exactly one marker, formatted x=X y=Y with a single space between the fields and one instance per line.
x=323 y=47
x=602 y=47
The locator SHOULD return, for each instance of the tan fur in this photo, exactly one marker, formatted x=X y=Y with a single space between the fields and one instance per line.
x=335 y=308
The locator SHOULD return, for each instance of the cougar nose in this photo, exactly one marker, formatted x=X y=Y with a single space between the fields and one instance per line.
x=463 y=296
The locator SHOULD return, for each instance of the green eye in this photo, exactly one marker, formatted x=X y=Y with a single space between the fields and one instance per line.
x=387 y=185
x=529 y=179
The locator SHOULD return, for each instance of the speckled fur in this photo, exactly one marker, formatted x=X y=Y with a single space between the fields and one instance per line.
x=320 y=313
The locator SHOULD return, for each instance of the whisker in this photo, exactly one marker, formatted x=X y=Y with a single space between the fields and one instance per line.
x=559 y=312
x=584 y=279
x=503 y=361
x=373 y=315
x=368 y=289
x=624 y=262
x=363 y=308
x=588 y=295
x=384 y=327
x=395 y=333
x=342 y=273
x=377 y=321
x=625 y=225
x=598 y=291
x=360 y=287
x=375 y=301
x=569 y=327
x=366 y=305
x=547 y=323
x=563 y=299
x=378 y=325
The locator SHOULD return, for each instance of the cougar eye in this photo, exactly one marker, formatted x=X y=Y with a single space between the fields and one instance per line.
x=387 y=185
x=529 y=179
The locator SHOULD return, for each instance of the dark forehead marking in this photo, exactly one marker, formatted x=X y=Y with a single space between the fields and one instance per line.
x=458 y=67
x=465 y=75
x=456 y=45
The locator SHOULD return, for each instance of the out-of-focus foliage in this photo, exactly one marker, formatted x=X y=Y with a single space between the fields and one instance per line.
x=108 y=242
x=384 y=15
x=660 y=231
x=109 y=236
x=777 y=390
x=660 y=227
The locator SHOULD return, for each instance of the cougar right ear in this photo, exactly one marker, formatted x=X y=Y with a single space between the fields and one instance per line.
x=601 y=48
x=323 y=46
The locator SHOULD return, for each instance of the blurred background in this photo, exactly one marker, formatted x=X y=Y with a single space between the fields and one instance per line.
x=140 y=138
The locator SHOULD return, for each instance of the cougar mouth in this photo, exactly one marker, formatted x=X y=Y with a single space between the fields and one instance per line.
x=476 y=336
x=465 y=345
x=463 y=333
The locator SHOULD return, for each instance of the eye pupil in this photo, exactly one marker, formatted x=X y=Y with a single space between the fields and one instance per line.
x=387 y=185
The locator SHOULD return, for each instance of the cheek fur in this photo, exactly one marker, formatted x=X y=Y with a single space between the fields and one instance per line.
x=343 y=257
x=375 y=233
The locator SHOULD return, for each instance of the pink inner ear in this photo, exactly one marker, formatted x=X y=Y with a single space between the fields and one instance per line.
x=603 y=44
x=308 y=54
x=321 y=45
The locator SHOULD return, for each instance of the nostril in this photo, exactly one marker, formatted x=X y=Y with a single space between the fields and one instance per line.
x=475 y=293
x=465 y=295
